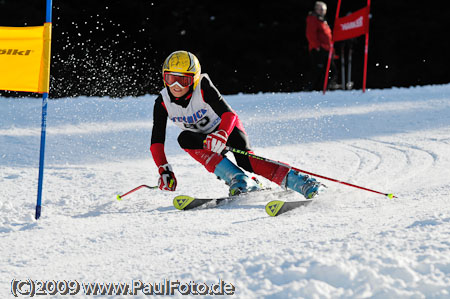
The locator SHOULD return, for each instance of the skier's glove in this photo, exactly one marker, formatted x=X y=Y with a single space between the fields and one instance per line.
x=167 y=180
x=216 y=141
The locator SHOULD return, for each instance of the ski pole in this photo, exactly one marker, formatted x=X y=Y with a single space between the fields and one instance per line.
x=234 y=150
x=119 y=197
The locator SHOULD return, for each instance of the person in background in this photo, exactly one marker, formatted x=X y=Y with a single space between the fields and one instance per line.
x=208 y=124
x=319 y=37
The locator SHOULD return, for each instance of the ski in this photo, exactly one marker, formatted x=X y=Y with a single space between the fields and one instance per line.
x=186 y=202
x=278 y=207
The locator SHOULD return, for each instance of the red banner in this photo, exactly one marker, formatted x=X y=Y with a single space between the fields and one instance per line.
x=351 y=26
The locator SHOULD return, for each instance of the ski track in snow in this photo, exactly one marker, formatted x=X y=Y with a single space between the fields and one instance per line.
x=348 y=244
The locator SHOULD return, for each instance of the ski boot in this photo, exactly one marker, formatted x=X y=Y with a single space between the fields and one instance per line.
x=303 y=184
x=234 y=177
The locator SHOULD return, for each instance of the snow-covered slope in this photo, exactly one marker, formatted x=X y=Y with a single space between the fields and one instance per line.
x=348 y=243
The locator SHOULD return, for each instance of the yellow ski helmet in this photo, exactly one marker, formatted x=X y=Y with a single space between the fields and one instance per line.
x=182 y=62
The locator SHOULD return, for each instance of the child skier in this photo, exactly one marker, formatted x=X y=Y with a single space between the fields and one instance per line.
x=208 y=124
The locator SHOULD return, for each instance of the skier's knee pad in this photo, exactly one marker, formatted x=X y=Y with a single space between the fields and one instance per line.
x=271 y=171
x=206 y=158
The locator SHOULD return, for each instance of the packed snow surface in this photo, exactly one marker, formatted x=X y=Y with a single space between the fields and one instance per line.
x=347 y=243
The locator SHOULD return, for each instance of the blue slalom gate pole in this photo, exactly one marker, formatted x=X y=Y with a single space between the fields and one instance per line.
x=48 y=19
x=41 y=155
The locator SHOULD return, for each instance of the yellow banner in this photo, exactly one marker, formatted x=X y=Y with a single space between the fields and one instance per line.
x=25 y=58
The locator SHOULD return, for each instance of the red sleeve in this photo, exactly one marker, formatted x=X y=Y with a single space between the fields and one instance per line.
x=228 y=121
x=325 y=36
x=311 y=32
x=159 y=156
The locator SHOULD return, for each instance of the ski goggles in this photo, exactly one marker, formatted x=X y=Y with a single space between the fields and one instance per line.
x=183 y=80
